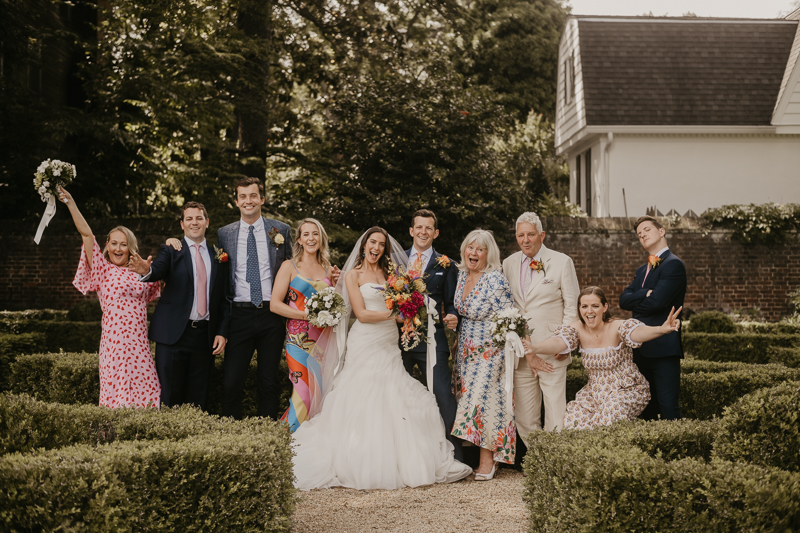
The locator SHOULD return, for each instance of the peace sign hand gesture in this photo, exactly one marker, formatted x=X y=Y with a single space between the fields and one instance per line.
x=672 y=323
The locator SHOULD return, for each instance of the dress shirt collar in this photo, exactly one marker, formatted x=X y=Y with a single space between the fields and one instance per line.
x=256 y=226
x=426 y=254
x=527 y=260
x=191 y=243
x=661 y=251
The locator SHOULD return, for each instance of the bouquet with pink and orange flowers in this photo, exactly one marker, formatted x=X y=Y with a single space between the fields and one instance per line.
x=405 y=296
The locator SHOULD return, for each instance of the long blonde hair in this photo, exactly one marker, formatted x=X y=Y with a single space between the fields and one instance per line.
x=323 y=253
x=133 y=244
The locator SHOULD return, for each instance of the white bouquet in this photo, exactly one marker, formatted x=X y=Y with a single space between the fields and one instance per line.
x=48 y=177
x=325 y=308
x=508 y=320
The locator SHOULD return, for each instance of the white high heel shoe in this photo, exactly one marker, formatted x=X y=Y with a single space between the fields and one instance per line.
x=486 y=477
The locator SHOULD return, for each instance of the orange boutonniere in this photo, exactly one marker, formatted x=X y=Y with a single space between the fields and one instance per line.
x=219 y=255
x=537 y=266
x=443 y=261
x=653 y=261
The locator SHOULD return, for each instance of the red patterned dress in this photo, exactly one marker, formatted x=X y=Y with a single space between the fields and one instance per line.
x=616 y=389
x=127 y=372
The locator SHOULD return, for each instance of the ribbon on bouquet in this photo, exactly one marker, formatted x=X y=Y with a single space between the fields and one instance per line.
x=514 y=350
x=433 y=315
x=49 y=213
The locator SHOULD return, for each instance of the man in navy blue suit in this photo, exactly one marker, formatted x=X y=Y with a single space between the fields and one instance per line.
x=441 y=279
x=659 y=286
x=190 y=324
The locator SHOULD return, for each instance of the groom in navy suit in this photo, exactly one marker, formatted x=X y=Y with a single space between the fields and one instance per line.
x=659 y=285
x=441 y=279
x=257 y=246
x=190 y=324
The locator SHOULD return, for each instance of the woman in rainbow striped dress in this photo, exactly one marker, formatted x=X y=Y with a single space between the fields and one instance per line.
x=308 y=272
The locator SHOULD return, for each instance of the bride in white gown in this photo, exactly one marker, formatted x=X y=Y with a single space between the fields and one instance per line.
x=379 y=428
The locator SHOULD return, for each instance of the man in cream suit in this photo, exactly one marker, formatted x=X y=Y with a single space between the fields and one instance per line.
x=545 y=287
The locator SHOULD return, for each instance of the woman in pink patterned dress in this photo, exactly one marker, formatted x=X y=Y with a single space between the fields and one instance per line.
x=127 y=372
x=616 y=389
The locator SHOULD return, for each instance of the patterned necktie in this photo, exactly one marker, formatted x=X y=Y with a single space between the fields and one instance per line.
x=200 y=288
x=253 y=276
x=418 y=263
x=528 y=276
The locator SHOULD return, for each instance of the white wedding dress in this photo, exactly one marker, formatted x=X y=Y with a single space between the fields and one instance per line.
x=379 y=428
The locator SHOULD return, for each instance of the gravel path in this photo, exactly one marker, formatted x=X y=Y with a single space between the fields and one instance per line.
x=468 y=505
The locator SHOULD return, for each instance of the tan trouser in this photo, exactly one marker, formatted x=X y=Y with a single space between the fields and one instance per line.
x=528 y=393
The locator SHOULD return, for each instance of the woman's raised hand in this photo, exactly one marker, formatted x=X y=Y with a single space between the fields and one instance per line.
x=63 y=195
x=672 y=323
x=175 y=243
x=139 y=265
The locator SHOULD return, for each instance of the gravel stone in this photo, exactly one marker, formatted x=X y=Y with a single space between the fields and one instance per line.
x=467 y=505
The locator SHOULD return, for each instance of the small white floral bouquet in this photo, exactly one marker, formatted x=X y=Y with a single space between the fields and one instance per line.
x=325 y=308
x=48 y=177
x=508 y=320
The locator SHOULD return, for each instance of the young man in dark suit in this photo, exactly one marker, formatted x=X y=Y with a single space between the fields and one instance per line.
x=256 y=246
x=658 y=287
x=190 y=324
x=441 y=278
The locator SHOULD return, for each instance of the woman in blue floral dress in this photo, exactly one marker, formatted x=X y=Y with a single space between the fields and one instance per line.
x=483 y=416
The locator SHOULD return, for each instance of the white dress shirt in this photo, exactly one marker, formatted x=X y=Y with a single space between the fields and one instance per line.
x=426 y=257
x=661 y=251
x=262 y=247
x=194 y=315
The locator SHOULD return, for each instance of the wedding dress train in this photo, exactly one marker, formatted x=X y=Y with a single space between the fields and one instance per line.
x=379 y=428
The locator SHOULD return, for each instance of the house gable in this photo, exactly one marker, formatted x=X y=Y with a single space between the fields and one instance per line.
x=786 y=117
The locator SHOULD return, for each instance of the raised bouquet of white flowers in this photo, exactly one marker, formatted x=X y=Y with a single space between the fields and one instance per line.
x=508 y=320
x=46 y=180
x=325 y=308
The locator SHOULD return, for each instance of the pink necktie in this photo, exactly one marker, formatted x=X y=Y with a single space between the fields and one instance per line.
x=200 y=288
x=645 y=275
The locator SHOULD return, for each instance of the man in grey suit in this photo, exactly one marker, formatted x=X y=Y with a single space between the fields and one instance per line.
x=256 y=246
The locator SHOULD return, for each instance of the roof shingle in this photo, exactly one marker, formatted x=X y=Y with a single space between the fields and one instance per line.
x=658 y=72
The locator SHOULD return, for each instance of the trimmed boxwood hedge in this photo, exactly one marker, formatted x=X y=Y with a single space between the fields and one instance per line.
x=60 y=334
x=651 y=476
x=708 y=387
x=763 y=428
x=13 y=345
x=205 y=474
x=711 y=322
x=745 y=347
x=72 y=378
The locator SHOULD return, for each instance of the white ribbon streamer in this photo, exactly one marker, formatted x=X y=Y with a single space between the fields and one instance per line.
x=433 y=315
x=48 y=215
x=514 y=350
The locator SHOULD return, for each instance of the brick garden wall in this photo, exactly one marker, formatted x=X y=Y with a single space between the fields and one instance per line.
x=722 y=274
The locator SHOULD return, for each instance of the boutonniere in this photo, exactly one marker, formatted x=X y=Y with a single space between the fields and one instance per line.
x=537 y=266
x=275 y=236
x=653 y=261
x=219 y=255
x=443 y=261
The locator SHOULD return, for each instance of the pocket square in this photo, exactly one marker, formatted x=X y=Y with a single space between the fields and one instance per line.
x=439 y=274
x=545 y=280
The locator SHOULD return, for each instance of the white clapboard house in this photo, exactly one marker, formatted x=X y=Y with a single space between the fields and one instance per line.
x=680 y=114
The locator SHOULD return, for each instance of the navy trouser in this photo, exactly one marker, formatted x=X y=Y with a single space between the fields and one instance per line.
x=664 y=376
x=184 y=367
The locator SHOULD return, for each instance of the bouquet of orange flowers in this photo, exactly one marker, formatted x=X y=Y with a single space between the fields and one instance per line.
x=404 y=292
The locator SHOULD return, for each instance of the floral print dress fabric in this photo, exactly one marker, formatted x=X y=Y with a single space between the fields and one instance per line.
x=479 y=370
x=127 y=371
x=616 y=389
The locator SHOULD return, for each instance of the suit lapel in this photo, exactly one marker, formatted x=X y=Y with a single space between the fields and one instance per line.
x=513 y=274
x=432 y=263
x=186 y=252
x=273 y=250
x=537 y=278
x=214 y=265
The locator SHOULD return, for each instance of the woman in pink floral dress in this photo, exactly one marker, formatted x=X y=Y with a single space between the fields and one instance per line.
x=127 y=372
x=616 y=389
